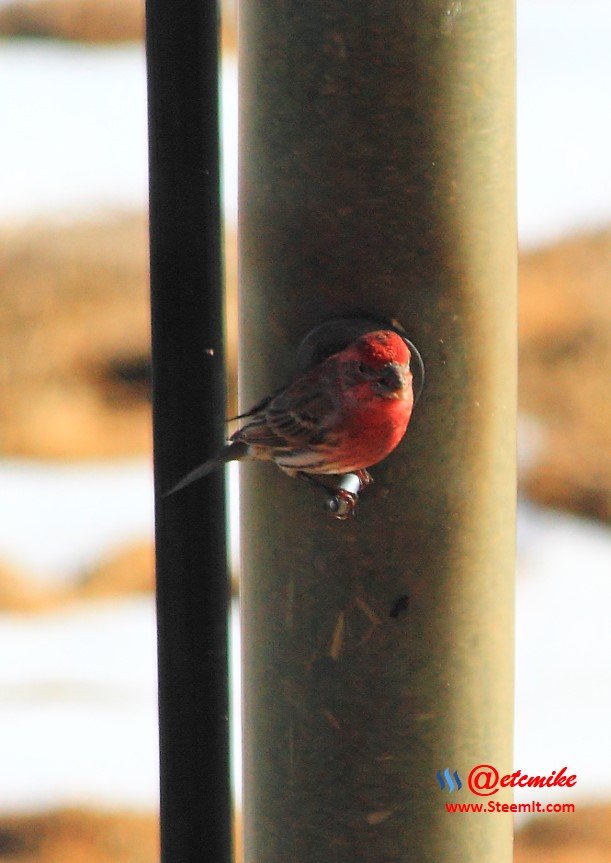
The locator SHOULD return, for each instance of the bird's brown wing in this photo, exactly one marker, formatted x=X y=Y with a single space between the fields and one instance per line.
x=258 y=433
x=295 y=417
x=302 y=412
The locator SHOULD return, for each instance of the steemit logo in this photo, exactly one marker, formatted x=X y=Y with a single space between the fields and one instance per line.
x=446 y=781
x=484 y=780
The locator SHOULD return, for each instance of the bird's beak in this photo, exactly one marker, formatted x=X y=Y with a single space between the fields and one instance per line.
x=396 y=378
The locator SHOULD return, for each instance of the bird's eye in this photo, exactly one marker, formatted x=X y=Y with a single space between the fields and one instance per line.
x=363 y=370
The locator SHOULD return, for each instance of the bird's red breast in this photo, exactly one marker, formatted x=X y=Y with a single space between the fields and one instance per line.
x=372 y=428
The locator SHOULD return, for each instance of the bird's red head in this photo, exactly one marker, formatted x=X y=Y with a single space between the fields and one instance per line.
x=376 y=366
x=382 y=347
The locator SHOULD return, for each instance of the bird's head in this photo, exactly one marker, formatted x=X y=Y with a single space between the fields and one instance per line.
x=381 y=360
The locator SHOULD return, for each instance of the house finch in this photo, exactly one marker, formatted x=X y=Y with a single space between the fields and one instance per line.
x=339 y=417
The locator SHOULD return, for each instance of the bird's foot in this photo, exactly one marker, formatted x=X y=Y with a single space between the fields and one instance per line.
x=365 y=478
x=342 y=503
x=343 y=496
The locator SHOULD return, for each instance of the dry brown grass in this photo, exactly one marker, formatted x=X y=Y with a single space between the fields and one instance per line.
x=75 y=836
x=129 y=571
x=565 y=370
x=20 y=593
x=74 y=328
x=580 y=837
x=126 y=572
x=78 y=836
x=82 y=20
x=98 y=21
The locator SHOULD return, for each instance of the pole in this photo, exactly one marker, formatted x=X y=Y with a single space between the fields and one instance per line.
x=188 y=414
x=378 y=177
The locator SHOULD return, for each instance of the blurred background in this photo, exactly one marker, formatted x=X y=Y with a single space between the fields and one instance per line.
x=78 y=734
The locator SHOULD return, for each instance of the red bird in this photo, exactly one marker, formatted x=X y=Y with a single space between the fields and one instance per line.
x=342 y=416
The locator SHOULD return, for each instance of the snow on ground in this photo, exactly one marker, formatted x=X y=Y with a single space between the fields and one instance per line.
x=74 y=134
x=564 y=122
x=563 y=648
x=59 y=519
x=78 y=714
x=74 y=128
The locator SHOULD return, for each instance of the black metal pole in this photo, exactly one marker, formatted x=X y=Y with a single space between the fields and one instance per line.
x=188 y=411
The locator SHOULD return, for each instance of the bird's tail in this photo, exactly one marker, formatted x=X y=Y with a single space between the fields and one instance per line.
x=233 y=451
